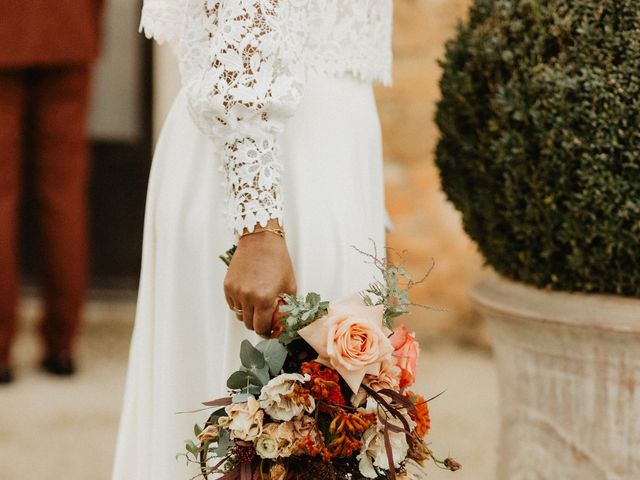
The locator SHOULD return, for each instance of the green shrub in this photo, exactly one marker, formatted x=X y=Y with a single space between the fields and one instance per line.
x=540 y=140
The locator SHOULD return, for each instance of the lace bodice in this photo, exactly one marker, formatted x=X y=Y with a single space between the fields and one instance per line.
x=244 y=65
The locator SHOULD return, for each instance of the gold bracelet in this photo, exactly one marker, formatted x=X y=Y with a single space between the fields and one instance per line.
x=277 y=231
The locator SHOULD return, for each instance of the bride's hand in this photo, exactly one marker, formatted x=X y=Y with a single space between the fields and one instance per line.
x=260 y=271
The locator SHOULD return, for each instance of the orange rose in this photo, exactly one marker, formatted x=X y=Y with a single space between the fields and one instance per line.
x=406 y=352
x=350 y=339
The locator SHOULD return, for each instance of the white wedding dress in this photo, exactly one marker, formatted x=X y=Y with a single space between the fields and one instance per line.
x=276 y=119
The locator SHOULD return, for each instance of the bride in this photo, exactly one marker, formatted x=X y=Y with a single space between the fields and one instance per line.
x=272 y=144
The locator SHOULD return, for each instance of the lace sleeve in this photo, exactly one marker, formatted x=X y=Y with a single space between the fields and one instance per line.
x=251 y=84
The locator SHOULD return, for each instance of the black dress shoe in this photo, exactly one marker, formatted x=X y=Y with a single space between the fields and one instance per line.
x=62 y=365
x=6 y=375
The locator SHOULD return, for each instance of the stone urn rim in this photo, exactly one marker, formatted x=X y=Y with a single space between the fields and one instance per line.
x=510 y=300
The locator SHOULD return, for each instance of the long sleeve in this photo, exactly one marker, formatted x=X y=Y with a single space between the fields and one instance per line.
x=250 y=84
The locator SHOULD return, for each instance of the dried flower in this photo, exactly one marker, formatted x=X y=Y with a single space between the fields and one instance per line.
x=308 y=439
x=452 y=465
x=286 y=437
x=284 y=398
x=211 y=434
x=267 y=443
x=244 y=420
x=276 y=440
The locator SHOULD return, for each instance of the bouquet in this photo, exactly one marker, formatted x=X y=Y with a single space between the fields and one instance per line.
x=327 y=397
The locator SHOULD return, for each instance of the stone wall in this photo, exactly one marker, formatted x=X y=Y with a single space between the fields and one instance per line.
x=426 y=225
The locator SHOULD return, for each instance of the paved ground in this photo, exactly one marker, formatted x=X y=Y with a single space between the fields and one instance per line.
x=65 y=429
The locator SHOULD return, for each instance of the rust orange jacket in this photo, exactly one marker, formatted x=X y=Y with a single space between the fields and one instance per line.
x=48 y=32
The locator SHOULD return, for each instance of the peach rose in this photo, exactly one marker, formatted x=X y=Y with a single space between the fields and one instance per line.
x=389 y=377
x=350 y=339
x=406 y=352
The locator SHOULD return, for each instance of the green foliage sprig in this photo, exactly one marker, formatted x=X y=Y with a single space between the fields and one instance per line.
x=392 y=291
x=300 y=312
x=540 y=140
x=228 y=255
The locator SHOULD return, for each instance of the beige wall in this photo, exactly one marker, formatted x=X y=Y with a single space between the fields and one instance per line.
x=425 y=223
x=116 y=101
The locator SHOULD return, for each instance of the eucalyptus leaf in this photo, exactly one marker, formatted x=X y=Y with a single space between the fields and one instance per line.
x=197 y=430
x=238 y=380
x=240 y=397
x=301 y=311
x=191 y=448
x=258 y=376
x=254 y=390
x=250 y=356
x=215 y=416
x=274 y=354
x=262 y=374
x=224 y=444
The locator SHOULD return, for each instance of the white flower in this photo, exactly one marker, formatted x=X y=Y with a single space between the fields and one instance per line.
x=276 y=440
x=267 y=443
x=286 y=438
x=304 y=428
x=243 y=420
x=370 y=405
x=359 y=399
x=413 y=471
x=373 y=450
x=283 y=399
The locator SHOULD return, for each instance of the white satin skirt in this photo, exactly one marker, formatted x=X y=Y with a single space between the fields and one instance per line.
x=186 y=341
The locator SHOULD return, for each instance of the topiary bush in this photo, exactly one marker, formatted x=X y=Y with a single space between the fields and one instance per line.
x=540 y=140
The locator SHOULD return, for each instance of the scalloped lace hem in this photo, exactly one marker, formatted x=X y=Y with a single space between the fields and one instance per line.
x=163 y=21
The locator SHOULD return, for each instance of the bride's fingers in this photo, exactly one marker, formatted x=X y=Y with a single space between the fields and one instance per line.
x=262 y=316
x=247 y=315
x=236 y=308
x=228 y=295
x=231 y=303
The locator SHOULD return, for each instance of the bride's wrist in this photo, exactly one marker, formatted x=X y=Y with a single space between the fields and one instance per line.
x=272 y=228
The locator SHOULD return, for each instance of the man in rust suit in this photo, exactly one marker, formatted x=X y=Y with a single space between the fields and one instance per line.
x=47 y=49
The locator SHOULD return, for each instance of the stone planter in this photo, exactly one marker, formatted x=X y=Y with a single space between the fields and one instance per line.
x=569 y=367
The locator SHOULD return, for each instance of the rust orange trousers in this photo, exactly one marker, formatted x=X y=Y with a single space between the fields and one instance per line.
x=55 y=100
